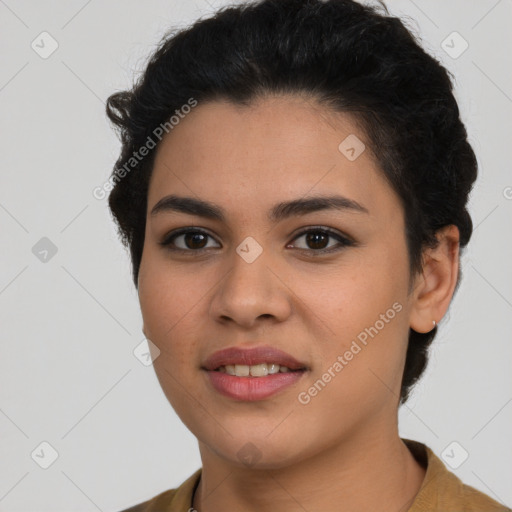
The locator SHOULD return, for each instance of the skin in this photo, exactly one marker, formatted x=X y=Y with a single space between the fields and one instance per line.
x=342 y=450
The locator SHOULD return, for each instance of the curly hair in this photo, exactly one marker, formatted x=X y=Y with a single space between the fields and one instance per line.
x=351 y=58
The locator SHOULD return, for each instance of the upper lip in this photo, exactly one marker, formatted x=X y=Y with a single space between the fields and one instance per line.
x=252 y=356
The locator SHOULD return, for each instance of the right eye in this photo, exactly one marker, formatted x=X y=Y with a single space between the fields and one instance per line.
x=191 y=240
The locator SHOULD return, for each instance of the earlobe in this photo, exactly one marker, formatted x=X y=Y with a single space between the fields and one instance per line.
x=436 y=284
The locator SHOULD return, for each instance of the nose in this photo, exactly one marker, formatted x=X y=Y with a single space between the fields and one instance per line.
x=251 y=292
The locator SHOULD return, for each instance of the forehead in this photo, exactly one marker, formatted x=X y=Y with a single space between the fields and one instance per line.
x=277 y=148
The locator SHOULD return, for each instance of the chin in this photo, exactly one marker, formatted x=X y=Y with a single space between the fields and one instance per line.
x=256 y=451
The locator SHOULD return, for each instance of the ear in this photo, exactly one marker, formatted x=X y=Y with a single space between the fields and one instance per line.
x=434 y=287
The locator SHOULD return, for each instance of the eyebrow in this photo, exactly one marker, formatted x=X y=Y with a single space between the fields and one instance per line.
x=280 y=211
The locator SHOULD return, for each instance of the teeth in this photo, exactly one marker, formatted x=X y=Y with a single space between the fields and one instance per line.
x=242 y=370
x=274 y=368
x=256 y=370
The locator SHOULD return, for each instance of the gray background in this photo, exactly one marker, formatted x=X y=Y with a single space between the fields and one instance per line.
x=69 y=325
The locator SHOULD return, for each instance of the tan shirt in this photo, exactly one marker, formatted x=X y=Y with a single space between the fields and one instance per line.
x=441 y=491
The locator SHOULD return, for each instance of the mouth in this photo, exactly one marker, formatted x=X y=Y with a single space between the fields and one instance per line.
x=257 y=361
x=250 y=374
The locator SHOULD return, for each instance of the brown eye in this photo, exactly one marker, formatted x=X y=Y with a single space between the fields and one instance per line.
x=195 y=240
x=317 y=240
x=187 y=240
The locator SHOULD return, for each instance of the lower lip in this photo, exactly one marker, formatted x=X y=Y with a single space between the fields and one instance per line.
x=252 y=388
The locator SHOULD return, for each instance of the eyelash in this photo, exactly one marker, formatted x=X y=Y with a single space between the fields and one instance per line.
x=344 y=241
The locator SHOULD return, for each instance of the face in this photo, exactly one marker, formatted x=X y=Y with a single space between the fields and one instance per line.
x=327 y=285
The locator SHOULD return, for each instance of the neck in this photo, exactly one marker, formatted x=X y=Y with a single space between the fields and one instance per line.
x=367 y=472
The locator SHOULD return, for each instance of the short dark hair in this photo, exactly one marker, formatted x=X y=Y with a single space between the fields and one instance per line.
x=349 y=57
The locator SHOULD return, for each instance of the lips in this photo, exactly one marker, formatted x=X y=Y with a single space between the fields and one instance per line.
x=252 y=356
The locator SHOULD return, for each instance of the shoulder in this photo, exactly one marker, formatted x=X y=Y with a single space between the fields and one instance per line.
x=453 y=492
x=157 y=503
x=476 y=501
x=443 y=491
x=173 y=500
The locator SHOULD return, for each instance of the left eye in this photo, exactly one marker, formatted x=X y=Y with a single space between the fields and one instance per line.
x=316 y=239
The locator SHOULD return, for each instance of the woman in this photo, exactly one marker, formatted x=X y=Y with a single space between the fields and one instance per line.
x=292 y=188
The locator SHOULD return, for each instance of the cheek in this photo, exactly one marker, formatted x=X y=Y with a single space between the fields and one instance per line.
x=352 y=295
x=167 y=291
x=167 y=299
x=167 y=308
x=363 y=307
